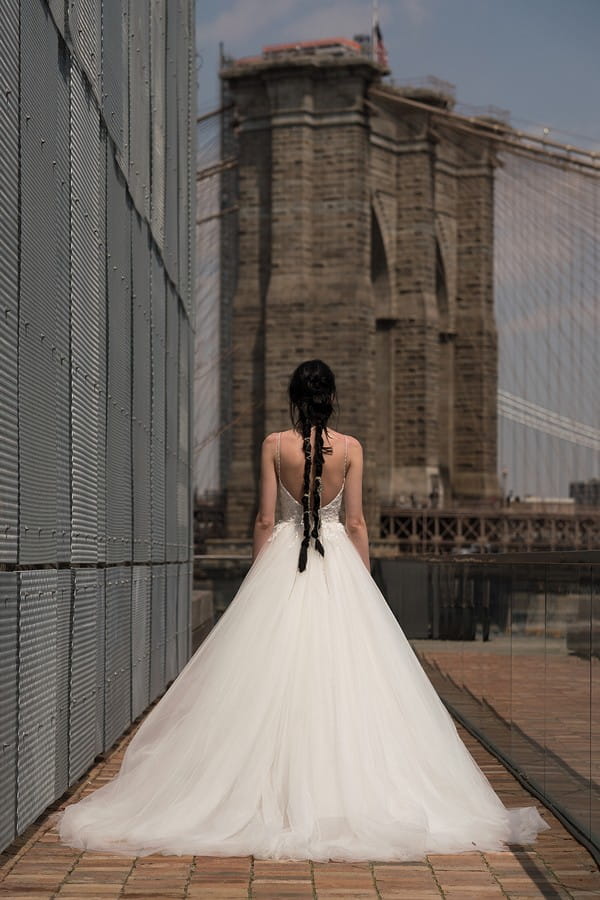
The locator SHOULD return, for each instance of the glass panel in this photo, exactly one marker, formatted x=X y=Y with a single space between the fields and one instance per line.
x=499 y=675
x=595 y=708
x=528 y=672
x=568 y=724
x=515 y=651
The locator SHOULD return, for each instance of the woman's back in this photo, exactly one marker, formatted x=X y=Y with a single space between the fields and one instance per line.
x=292 y=462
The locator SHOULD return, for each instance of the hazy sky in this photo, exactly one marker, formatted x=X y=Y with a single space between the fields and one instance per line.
x=538 y=59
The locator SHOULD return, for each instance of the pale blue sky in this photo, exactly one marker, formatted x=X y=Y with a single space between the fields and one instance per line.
x=538 y=59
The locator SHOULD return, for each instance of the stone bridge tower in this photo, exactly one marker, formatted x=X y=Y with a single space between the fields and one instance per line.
x=365 y=237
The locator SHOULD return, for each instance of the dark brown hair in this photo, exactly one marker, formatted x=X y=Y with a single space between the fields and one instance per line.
x=312 y=397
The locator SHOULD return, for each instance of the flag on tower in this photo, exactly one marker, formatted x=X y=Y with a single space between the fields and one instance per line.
x=379 y=53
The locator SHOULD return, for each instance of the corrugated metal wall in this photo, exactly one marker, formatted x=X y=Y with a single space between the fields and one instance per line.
x=97 y=132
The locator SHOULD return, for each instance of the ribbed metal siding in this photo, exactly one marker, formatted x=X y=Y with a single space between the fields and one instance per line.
x=115 y=86
x=139 y=104
x=118 y=653
x=79 y=664
x=86 y=645
x=183 y=615
x=57 y=11
x=158 y=631
x=171 y=155
x=171 y=667
x=118 y=465
x=100 y=658
x=61 y=352
x=172 y=436
x=85 y=316
x=183 y=449
x=9 y=229
x=157 y=90
x=191 y=171
x=183 y=161
x=141 y=390
x=63 y=654
x=8 y=705
x=141 y=600
x=157 y=448
x=102 y=385
x=43 y=338
x=36 y=693
x=85 y=23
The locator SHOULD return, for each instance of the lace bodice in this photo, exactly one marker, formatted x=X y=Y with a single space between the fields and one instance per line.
x=290 y=510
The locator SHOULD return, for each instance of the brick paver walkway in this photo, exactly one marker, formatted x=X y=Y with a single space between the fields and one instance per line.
x=38 y=867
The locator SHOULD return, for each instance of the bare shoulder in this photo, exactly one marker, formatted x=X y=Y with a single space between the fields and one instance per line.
x=355 y=451
x=354 y=445
x=270 y=441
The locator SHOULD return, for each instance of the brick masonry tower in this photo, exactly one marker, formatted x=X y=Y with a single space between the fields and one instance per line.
x=365 y=237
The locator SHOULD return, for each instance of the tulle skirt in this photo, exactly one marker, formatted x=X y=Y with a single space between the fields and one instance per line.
x=304 y=727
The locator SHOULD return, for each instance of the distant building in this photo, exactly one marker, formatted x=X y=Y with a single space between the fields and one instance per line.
x=585 y=493
x=365 y=237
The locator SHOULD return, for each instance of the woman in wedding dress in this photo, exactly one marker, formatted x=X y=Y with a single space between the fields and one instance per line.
x=304 y=726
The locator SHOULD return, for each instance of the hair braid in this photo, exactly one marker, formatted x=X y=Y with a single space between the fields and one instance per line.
x=317 y=487
x=305 y=494
x=312 y=401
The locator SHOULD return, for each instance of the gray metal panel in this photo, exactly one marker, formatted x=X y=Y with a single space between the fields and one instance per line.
x=183 y=615
x=171 y=661
x=86 y=301
x=141 y=390
x=85 y=23
x=9 y=252
x=139 y=104
x=74 y=258
x=141 y=598
x=100 y=658
x=157 y=450
x=83 y=687
x=191 y=133
x=171 y=157
x=102 y=385
x=57 y=11
x=64 y=596
x=8 y=706
x=157 y=99
x=183 y=449
x=43 y=338
x=118 y=653
x=118 y=466
x=172 y=404
x=60 y=223
x=115 y=77
x=183 y=148
x=36 y=693
x=157 y=632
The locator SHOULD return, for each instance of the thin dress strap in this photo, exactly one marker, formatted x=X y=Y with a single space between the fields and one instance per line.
x=345 y=454
x=278 y=455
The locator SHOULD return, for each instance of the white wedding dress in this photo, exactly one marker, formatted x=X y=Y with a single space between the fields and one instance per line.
x=304 y=727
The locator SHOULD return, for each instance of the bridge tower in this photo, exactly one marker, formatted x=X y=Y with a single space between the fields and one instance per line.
x=365 y=237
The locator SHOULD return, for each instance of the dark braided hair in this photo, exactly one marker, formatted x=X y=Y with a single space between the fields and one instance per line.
x=312 y=397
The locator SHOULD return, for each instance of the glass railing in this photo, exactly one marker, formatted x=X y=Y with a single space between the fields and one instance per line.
x=512 y=644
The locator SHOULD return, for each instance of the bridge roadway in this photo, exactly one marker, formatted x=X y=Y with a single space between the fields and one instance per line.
x=38 y=867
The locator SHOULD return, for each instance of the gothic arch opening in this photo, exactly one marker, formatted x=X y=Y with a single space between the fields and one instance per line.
x=446 y=382
x=380 y=278
x=384 y=363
